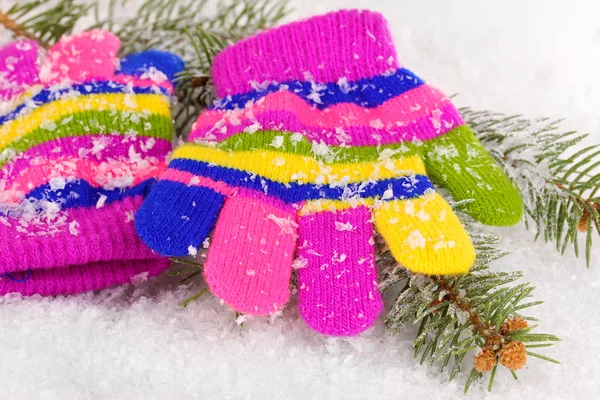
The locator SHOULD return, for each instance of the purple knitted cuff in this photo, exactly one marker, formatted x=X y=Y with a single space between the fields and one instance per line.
x=80 y=278
x=353 y=44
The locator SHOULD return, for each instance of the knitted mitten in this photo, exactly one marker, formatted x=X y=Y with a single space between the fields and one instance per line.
x=321 y=136
x=80 y=145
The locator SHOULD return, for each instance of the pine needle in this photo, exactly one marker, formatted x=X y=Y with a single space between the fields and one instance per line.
x=559 y=180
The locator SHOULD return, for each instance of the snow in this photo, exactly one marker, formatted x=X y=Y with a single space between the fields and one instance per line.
x=136 y=342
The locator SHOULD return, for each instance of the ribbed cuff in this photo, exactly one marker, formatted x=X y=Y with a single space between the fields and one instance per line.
x=351 y=44
x=77 y=236
x=80 y=278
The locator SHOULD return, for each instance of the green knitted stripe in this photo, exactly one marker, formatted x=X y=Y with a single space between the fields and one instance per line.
x=298 y=144
x=455 y=160
x=95 y=123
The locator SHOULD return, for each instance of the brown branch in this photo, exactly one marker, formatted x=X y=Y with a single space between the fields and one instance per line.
x=497 y=348
x=474 y=318
x=18 y=30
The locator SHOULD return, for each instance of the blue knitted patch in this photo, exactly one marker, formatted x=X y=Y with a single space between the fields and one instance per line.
x=405 y=187
x=176 y=217
x=368 y=92
x=138 y=63
x=80 y=193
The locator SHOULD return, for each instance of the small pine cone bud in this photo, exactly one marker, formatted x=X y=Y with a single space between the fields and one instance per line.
x=584 y=221
x=513 y=355
x=513 y=324
x=494 y=341
x=485 y=361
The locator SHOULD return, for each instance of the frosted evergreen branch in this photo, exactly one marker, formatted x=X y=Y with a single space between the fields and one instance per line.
x=464 y=314
x=196 y=31
x=46 y=21
x=558 y=179
x=17 y=30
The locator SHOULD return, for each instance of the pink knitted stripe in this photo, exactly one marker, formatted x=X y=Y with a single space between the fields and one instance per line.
x=337 y=287
x=350 y=43
x=126 y=79
x=422 y=102
x=96 y=173
x=81 y=278
x=72 y=237
x=425 y=128
x=94 y=147
x=250 y=258
x=190 y=179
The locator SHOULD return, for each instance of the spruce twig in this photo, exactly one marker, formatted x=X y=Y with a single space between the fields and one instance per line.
x=17 y=30
x=47 y=21
x=559 y=181
x=459 y=315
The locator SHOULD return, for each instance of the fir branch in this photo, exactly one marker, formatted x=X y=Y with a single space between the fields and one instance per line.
x=559 y=180
x=46 y=21
x=191 y=30
x=17 y=30
x=460 y=315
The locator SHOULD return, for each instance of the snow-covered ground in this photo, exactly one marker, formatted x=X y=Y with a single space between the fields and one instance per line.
x=533 y=58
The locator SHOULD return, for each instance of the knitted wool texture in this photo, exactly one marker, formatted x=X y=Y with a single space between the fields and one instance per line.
x=80 y=145
x=319 y=137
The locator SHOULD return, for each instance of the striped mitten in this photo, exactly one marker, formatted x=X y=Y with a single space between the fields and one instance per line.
x=319 y=138
x=80 y=145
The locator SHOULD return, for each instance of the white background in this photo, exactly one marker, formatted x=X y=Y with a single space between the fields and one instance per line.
x=528 y=57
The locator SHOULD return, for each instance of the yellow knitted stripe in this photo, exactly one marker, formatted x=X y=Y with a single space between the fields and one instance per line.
x=315 y=206
x=50 y=112
x=425 y=235
x=288 y=167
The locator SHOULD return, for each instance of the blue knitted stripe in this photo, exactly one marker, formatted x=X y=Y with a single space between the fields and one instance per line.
x=80 y=193
x=103 y=87
x=368 y=92
x=405 y=187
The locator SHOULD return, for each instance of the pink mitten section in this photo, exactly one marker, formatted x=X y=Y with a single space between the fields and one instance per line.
x=83 y=57
x=18 y=68
x=338 y=286
x=250 y=258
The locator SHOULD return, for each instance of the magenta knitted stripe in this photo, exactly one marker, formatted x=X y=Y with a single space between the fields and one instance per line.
x=80 y=278
x=71 y=237
x=337 y=281
x=99 y=148
x=353 y=44
x=376 y=134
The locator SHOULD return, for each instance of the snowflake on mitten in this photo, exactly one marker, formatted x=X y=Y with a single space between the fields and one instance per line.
x=319 y=138
x=83 y=135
